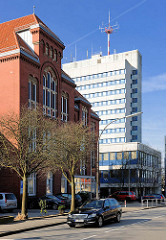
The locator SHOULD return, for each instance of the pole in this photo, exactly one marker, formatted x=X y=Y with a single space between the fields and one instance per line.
x=108 y=44
x=97 y=171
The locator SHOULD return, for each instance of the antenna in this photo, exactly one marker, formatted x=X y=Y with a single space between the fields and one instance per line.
x=109 y=30
x=34 y=9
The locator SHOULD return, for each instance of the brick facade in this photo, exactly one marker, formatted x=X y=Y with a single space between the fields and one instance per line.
x=29 y=49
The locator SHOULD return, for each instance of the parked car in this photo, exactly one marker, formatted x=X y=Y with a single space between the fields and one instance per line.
x=66 y=200
x=8 y=201
x=159 y=197
x=52 y=201
x=33 y=202
x=96 y=212
x=124 y=195
x=86 y=196
x=78 y=199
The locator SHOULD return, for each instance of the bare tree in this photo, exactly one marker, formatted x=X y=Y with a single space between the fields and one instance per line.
x=24 y=145
x=71 y=147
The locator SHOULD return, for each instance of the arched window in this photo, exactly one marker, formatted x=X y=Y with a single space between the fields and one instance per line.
x=49 y=95
x=51 y=52
x=84 y=116
x=64 y=107
x=43 y=46
x=55 y=55
x=47 y=49
x=32 y=92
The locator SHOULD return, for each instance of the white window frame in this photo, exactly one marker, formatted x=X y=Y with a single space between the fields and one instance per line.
x=32 y=178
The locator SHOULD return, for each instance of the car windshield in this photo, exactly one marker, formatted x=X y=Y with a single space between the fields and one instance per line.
x=51 y=196
x=93 y=204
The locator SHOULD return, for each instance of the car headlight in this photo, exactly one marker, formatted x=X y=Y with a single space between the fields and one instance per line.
x=92 y=215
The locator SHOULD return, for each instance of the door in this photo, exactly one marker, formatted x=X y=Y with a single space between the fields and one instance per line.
x=113 y=207
x=107 y=210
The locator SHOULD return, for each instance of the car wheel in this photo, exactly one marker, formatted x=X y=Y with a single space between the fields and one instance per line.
x=128 y=199
x=54 y=206
x=100 y=222
x=118 y=217
x=71 y=225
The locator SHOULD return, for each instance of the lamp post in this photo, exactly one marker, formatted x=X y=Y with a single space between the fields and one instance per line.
x=97 y=161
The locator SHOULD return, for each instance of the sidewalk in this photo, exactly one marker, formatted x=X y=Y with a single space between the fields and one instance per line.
x=31 y=224
x=51 y=220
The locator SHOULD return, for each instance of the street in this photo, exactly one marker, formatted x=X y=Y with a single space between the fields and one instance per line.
x=144 y=224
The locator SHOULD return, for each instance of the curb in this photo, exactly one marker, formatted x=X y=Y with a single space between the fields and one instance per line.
x=54 y=224
x=29 y=229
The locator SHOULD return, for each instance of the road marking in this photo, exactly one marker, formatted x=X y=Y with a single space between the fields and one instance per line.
x=88 y=237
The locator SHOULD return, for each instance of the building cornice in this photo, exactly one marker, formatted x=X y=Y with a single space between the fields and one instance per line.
x=39 y=25
x=19 y=51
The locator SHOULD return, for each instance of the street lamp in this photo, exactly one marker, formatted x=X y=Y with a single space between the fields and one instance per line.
x=97 y=162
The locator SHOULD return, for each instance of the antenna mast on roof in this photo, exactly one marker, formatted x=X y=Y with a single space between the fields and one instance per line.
x=109 y=30
x=34 y=9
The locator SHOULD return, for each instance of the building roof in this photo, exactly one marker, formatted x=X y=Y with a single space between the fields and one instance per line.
x=8 y=30
x=67 y=77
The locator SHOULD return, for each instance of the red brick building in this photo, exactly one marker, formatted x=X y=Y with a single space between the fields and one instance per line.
x=30 y=67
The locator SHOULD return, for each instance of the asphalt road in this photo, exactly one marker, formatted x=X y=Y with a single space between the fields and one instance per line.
x=145 y=224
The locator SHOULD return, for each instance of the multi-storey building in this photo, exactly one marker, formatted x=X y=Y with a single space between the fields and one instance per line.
x=31 y=74
x=113 y=85
x=131 y=166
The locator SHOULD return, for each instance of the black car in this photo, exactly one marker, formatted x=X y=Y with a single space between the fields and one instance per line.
x=86 y=196
x=66 y=200
x=96 y=212
x=78 y=199
x=52 y=201
x=33 y=202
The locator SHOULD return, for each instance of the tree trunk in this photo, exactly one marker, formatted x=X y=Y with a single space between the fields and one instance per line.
x=24 y=197
x=72 y=207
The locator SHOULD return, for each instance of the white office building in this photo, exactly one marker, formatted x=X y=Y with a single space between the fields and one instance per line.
x=112 y=84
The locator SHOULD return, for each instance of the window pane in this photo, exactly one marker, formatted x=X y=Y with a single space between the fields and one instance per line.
x=44 y=101
x=119 y=156
x=44 y=81
x=48 y=99
x=105 y=156
x=29 y=90
x=126 y=155
x=112 y=156
x=133 y=155
x=34 y=92
x=48 y=80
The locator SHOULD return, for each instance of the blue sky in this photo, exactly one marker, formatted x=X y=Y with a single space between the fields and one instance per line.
x=142 y=26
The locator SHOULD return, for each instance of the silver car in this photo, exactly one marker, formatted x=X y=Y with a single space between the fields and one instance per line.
x=8 y=201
